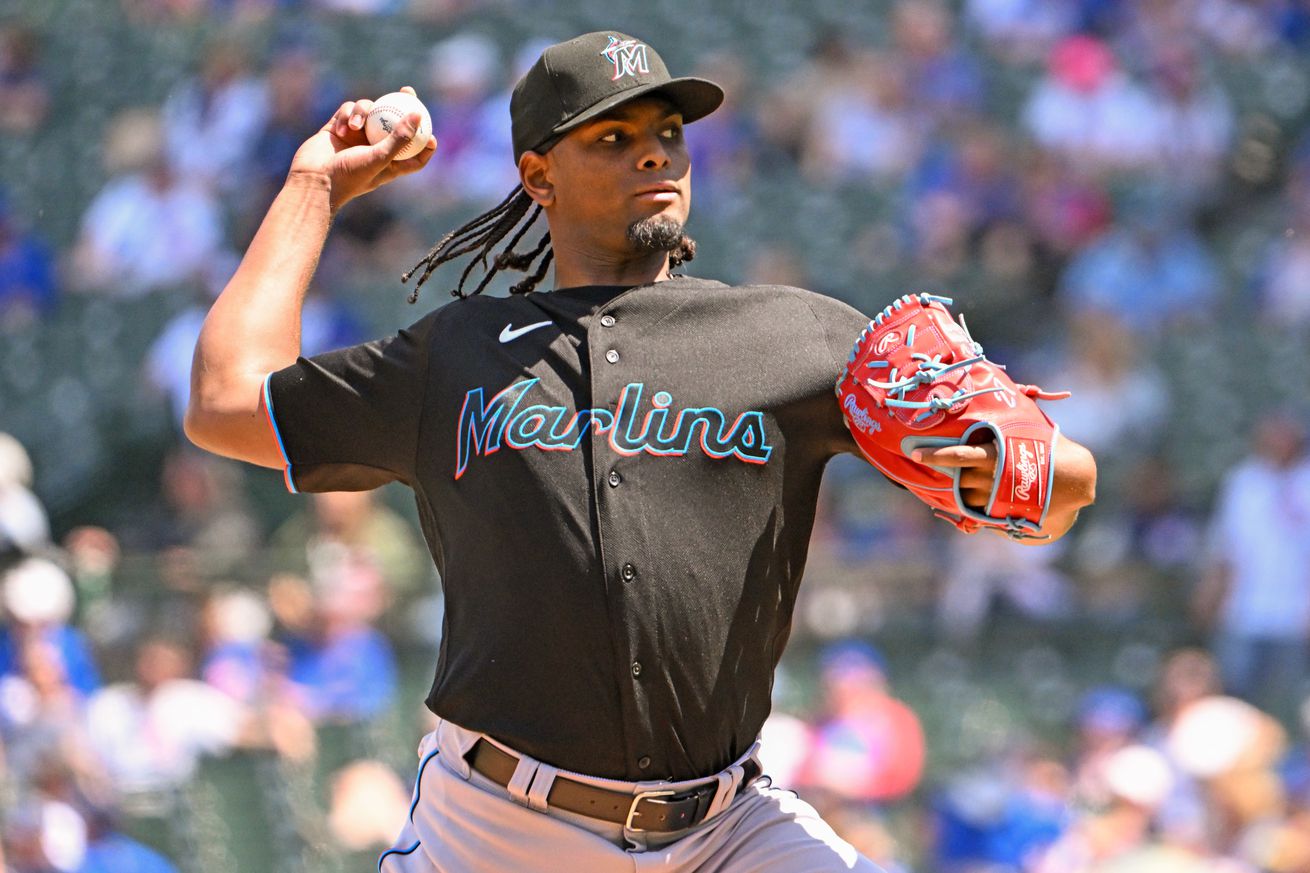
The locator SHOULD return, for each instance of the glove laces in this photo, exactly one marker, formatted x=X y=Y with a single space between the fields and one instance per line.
x=929 y=368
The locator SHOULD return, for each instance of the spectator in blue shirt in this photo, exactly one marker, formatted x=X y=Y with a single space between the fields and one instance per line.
x=108 y=851
x=38 y=601
x=27 y=282
x=343 y=667
x=1150 y=271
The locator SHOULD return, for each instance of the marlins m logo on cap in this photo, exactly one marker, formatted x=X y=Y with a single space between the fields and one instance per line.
x=566 y=87
x=627 y=55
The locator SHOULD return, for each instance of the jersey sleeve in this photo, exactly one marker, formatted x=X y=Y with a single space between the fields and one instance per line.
x=839 y=326
x=348 y=420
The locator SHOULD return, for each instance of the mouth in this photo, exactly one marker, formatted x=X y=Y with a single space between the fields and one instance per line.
x=663 y=192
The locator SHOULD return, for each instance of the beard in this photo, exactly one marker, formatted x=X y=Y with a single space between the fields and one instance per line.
x=659 y=233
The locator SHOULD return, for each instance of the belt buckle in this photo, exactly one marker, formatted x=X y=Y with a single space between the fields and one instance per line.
x=644 y=795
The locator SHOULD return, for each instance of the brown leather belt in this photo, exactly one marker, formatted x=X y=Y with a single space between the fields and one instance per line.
x=660 y=810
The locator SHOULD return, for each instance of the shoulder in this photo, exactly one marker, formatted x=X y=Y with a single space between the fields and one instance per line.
x=821 y=305
x=471 y=310
x=807 y=328
x=836 y=322
x=1248 y=471
x=802 y=298
x=1244 y=478
x=452 y=318
x=825 y=325
x=117 y=699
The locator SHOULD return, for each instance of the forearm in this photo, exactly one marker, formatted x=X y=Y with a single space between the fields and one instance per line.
x=1058 y=523
x=1074 y=488
x=253 y=327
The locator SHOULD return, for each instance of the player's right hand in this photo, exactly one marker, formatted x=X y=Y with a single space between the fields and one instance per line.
x=342 y=153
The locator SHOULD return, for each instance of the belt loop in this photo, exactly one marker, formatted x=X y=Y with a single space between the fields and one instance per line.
x=455 y=743
x=729 y=781
x=521 y=781
x=542 y=781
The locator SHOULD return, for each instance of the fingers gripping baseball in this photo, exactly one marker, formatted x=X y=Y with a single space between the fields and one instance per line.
x=386 y=149
x=341 y=152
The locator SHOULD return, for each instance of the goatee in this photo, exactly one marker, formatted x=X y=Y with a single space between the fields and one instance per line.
x=659 y=233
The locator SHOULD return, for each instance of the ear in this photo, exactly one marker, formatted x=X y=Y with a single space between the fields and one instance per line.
x=534 y=173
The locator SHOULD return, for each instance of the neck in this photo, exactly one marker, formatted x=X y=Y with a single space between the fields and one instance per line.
x=576 y=266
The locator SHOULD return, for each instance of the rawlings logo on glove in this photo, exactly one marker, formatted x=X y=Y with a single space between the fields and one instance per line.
x=917 y=380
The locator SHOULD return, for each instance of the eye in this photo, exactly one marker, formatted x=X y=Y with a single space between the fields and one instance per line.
x=612 y=137
x=673 y=131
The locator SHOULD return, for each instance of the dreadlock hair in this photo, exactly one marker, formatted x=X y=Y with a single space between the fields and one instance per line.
x=483 y=233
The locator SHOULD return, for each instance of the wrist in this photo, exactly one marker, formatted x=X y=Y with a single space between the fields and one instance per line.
x=313 y=185
x=314 y=180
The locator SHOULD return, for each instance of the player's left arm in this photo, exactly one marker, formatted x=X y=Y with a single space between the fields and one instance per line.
x=1074 y=486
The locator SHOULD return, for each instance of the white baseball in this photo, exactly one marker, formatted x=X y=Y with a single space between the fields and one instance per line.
x=387 y=112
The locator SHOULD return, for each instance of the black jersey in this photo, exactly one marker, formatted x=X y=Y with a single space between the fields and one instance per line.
x=618 y=487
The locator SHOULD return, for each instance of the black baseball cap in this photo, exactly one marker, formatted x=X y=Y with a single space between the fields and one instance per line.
x=575 y=81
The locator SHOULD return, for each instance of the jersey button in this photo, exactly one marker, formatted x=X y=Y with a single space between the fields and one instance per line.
x=636 y=669
x=615 y=478
x=629 y=572
x=612 y=356
x=643 y=762
x=607 y=320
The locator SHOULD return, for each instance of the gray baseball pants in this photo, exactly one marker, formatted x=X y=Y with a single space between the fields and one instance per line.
x=462 y=822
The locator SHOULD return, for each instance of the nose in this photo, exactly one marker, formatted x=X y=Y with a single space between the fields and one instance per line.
x=654 y=154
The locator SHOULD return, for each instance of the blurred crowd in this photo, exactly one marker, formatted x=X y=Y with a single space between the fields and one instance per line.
x=111 y=697
x=1116 y=193
x=1178 y=777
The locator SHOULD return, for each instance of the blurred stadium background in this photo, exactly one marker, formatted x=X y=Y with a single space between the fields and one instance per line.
x=1117 y=194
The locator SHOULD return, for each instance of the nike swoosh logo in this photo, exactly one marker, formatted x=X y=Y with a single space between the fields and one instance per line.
x=512 y=333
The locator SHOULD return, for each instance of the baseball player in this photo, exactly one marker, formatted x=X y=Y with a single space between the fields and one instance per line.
x=616 y=478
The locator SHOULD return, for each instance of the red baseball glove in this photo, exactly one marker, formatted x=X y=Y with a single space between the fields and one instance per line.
x=916 y=379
